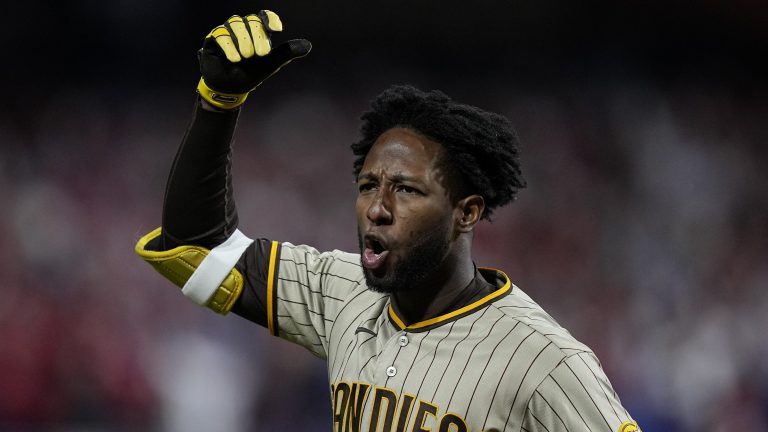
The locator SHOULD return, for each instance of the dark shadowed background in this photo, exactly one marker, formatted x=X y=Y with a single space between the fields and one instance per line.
x=644 y=229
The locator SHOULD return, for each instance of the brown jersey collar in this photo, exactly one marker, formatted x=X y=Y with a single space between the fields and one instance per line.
x=491 y=276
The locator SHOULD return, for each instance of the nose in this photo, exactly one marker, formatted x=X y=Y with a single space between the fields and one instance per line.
x=379 y=210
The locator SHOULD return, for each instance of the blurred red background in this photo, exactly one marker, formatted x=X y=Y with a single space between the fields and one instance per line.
x=644 y=229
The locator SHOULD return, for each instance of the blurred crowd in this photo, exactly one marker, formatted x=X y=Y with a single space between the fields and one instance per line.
x=644 y=230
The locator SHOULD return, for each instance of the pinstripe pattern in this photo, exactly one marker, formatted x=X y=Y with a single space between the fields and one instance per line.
x=505 y=365
x=577 y=389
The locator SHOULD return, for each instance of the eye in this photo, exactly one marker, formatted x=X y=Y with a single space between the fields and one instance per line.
x=407 y=189
x=365 y=187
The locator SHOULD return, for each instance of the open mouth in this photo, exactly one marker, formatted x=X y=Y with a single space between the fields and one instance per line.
x=375 y=253
x=376 y=246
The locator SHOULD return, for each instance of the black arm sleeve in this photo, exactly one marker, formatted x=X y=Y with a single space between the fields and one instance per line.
x=198 y=208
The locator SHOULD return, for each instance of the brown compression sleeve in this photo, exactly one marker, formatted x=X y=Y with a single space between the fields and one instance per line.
x=198 y=207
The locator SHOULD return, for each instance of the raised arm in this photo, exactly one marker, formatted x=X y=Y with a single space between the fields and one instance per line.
x=235 y=58
x=199 y=228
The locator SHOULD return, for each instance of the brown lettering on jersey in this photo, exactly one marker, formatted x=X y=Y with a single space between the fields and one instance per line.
x=451 y=419
x=340 y=403
x=350 y=399
x=355 y=406
x=406 y=402
x=425 y=409
x=380 y=396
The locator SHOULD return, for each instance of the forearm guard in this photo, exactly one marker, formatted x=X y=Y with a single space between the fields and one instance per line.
x=206 y=276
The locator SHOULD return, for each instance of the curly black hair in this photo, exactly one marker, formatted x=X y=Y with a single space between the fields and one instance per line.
x=481 y=146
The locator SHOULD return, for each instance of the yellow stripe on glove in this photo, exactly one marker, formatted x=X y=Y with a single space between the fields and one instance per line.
x=238 y=55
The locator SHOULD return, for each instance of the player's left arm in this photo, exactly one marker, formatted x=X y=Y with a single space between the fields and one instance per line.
x=577 y=395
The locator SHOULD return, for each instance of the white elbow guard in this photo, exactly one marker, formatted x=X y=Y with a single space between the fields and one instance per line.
x=207 y=277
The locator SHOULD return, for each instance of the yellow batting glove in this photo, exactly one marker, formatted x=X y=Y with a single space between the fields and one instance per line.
x=238 y=56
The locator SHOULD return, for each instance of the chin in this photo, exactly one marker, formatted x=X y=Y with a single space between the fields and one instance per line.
x=397 y=280
x=380 y=284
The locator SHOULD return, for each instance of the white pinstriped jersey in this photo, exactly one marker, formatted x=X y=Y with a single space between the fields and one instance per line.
x=498 y=364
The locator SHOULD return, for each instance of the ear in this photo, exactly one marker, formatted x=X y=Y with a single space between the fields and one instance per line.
x=470 y=210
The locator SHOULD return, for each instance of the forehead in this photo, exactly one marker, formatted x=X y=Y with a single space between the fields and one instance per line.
x=402 y=151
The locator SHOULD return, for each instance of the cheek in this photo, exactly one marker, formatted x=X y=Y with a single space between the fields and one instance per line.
x=436 y=219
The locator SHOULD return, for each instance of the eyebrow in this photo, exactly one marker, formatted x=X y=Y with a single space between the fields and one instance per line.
x=366 y=176
x=396 y=178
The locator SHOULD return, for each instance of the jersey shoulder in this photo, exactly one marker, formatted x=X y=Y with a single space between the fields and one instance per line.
x=335 y=272
x=517 y=305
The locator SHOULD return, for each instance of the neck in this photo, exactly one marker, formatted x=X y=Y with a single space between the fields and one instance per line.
x=437 y=293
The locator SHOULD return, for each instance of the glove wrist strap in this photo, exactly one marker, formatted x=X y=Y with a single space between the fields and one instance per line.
x=220 y=100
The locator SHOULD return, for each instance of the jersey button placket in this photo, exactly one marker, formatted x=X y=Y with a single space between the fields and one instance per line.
x=403 y=340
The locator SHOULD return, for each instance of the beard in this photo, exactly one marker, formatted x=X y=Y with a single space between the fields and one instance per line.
x=421 y=262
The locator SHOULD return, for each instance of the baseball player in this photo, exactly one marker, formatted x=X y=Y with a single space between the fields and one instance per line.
x=416 y=337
